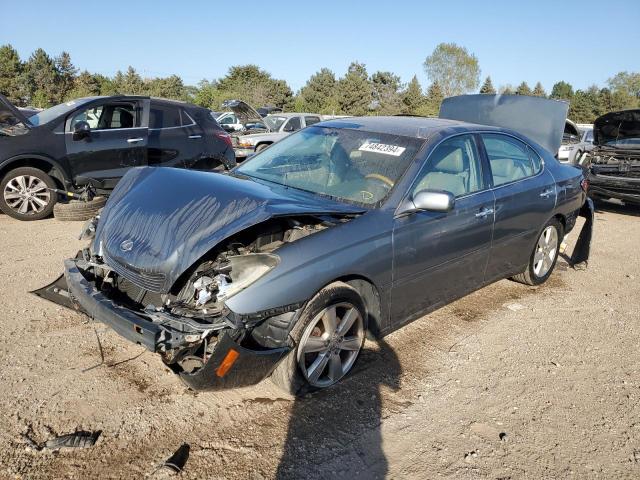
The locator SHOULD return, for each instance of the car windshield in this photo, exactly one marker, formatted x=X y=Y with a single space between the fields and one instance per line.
x=52 y=113
x=273 y=122
x=348 y=165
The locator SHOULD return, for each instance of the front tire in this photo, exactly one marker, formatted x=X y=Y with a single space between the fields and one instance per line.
x=329 y=336
x=544 y=256
x=25 y=194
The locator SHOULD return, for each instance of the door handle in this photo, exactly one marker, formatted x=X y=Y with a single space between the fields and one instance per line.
x=547 y=193
x=134 y=140
x=484 y=212
x=195 y=136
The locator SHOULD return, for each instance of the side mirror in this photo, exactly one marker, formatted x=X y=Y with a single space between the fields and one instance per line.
x=428 y=200
x=81 y=130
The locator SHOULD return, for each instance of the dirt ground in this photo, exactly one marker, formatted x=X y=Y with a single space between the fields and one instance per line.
x=510 y=382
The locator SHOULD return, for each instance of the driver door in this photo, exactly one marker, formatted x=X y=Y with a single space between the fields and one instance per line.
x=117 y=139
x=441 y=256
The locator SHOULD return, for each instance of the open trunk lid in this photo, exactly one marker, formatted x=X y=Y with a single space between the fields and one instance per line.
x=540 y=119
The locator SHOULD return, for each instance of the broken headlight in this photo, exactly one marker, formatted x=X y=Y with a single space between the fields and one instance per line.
x=238 y=273
x=89 y=229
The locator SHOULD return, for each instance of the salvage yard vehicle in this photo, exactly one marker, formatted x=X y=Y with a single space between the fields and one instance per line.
x=96 y=140
x=570 y=138
x=261 y=132
x=613 y=161
x=349 y=227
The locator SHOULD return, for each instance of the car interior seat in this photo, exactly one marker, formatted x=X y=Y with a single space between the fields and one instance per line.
x=449 y=172
x=126 y=118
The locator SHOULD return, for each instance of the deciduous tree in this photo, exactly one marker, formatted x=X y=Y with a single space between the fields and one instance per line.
x=455 y=69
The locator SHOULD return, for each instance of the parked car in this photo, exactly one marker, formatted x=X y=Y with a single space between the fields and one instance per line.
x=585 y=145
x=613 y=161
x=280 y=267
x=259 y=132
x=570 y=138
x=99 y=138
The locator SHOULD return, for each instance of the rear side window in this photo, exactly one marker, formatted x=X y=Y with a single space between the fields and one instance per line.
x=186 y=118
x=293 y=124
x=311 y=120
x=510 y=159
x=164 y=116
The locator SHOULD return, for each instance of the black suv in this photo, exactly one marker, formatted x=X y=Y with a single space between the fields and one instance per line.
x=95 y=140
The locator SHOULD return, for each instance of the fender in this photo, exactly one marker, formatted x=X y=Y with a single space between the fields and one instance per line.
x=60 y=173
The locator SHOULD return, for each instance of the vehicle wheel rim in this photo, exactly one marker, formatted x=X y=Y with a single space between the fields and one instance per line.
x=546 y=251
x=330 y=344
x=27 y=195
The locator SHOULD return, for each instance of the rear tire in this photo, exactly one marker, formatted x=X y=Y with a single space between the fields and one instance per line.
x=315 y=343
x=261 y=147
x=24 y=194
x=76 y=210
x=544 y=256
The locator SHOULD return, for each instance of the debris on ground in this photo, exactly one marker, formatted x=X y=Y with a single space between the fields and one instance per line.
x=79 y=439
x=176 y=462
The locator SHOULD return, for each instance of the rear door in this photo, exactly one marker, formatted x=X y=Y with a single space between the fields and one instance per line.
x=441 y=256
x=525 y=194
x=117 y=140
x=175 y=139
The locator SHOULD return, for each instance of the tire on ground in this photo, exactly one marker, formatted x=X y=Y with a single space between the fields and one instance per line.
x=33 y=172
x=528 y=277
x=287 y=374
x=78 y=210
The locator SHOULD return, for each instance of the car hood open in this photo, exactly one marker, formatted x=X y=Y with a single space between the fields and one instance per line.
x=10 y=116
x=160 y=221
x=616 y=127
x=244 y=112
x=540 y=119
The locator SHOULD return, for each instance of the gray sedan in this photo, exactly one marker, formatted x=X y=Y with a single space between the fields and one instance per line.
x=352 y=226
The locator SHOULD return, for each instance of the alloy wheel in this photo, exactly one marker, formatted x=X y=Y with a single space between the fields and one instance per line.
x=546 y=251
x=27 y=195
x=330 y=344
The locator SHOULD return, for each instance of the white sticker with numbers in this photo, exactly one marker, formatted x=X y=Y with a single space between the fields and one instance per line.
x=384 y=148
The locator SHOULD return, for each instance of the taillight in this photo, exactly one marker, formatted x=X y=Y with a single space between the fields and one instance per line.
x=225 y=137
x=584 y=184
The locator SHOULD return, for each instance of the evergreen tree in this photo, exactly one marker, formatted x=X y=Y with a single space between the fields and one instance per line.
x=487 y=87
x=40 y=78
x=66 y=76
x=538 y=90
x=523 y=89
x=386 y=93
x=11 y=85
x=562 y=90
x=84 y=85
x=413 y=99
x=354 y=92
x=318 y=94
x=433 y=99
x=506 y=90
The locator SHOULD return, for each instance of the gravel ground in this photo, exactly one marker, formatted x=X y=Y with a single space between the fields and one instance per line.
x=510 y=382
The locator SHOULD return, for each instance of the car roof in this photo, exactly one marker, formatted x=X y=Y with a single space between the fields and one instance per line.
x=408 y=126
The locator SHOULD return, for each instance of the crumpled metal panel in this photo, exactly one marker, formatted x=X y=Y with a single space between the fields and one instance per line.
x=160 y=221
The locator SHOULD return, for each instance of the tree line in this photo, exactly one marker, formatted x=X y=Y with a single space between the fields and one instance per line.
x=43 y=81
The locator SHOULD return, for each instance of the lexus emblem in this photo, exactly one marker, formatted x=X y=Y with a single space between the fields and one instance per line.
x=126 y=246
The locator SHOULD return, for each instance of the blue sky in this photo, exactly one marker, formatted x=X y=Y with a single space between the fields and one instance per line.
x=582 y=42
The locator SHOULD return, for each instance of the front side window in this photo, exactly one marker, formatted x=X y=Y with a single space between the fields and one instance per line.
x=106 y=116
x=352 y=165
x=454 y=166
x=510 y=159
x=293 y=124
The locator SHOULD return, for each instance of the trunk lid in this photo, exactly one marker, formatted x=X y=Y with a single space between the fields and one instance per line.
x=160 y=221
x=540 y=119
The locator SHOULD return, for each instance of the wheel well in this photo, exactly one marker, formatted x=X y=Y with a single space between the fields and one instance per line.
x=43 y=165
x=371 y=298
x=563 y=221
x=262 y=143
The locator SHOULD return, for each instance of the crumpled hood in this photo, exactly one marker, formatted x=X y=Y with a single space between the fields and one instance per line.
x=160 y=221
x=616 y=127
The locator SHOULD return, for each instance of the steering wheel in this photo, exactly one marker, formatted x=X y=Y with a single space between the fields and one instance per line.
x=381 y=178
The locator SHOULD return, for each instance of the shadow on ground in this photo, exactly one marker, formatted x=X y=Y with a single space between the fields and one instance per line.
x=336 y=433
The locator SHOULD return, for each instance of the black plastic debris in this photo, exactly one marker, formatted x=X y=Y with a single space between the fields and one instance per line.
x=177 y=461
x=79 y=439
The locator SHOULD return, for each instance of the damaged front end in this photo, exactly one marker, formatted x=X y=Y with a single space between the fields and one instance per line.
x=208 y=345
x=614 y=173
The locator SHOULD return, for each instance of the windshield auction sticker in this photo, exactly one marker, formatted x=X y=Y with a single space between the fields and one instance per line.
x=384 y=148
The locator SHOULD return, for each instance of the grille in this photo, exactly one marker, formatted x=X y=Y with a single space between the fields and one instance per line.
x=612 y=173
x=153 y=282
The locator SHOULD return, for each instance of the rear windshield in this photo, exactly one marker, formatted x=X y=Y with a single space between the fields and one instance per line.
x=352 y=165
